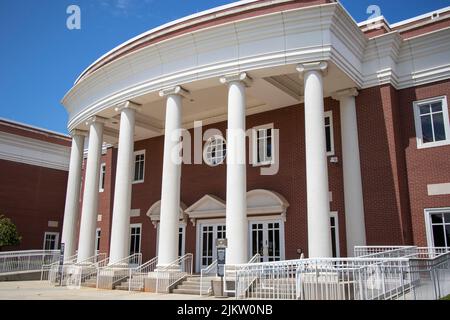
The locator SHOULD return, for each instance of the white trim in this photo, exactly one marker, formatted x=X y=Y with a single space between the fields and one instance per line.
x=329 y=114
x=101 y=188
x=428 y=227
x=438 y=189
x=135 y=153
x=136 y=225
x=418 y=123
x=56 y=239
x=254 y=144
x=335 y=215
x=35 y=152
x=422 y=16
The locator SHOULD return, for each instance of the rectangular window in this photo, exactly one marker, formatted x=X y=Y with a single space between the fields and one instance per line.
x=135 y=238
x=51 y=240
x=329 y=133
x=334 y=234
x=263 y=145
x=438 y=227
x=102 y=177
x=139 y=166
x=97 y=239
x=432 y=122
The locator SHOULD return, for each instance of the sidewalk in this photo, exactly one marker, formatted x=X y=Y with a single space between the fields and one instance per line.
x=42 y=290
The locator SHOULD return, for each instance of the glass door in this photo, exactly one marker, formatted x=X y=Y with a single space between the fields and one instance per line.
x=266 y=240
x=208 y=235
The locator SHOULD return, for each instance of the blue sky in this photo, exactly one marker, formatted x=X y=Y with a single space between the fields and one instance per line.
x=40 y=58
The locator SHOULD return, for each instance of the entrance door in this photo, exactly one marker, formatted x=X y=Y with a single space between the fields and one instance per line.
x=265 y=239
x=208 y=235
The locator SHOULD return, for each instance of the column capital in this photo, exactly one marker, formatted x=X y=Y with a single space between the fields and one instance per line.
x=96 y=119
x=321 y=66
x=176 y=90
x=78 y=132
x=240 y=77
x=127 y=105
x=350 y=92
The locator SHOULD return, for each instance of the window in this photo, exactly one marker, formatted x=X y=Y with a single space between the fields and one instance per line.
x=214 y=151
x=51 y=240
x=139 y=165
x=334 y=234
x=263 y=147
x=438 y=227
x=97 y=239
x=329 y=133
x=135 y=238
x=102 y=177
x=432 y=123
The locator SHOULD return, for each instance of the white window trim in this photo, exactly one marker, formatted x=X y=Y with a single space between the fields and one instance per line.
x=134 y=166
x=418 y=123
x=135 y=225
x=268 y=219
x=205 y=148
x=56 y=239
x=254 y=144
x=97 y=249
x=329 y=114
x=100 y=187
x=428 y=228
x=335 y=215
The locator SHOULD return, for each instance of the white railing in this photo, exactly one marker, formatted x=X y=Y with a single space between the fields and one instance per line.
x=114 y=273
x=45 y=270
x=230 y=274
x=424 y=273
x=206 y=276
x=136 y=278
x=71 y=269
x=170 y=275
x=27 y=260
x=87 y=272
x=383 y=251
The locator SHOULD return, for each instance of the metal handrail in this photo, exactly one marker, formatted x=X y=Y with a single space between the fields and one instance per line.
x=136 y=276
x=48 y=267
x=118 y=269
x=30 y=260
x=173 y=272
x=212 y=268
x=231 y=269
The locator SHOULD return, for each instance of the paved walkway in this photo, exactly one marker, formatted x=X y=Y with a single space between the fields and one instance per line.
x=42 y=290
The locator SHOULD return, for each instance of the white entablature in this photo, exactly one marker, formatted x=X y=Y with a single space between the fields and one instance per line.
x=259 y=202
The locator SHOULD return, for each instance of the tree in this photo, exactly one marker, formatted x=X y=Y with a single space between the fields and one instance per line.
x=8 y=233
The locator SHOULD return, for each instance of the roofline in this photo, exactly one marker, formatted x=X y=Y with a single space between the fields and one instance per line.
x=403 y=22
x=164 y=26
x=33 y=128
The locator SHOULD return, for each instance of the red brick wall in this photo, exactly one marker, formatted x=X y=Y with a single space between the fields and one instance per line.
x=425 y=166
x=31 y=196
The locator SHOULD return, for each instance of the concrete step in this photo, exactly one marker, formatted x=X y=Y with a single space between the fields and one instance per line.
x=193 y=287
x=186 y=291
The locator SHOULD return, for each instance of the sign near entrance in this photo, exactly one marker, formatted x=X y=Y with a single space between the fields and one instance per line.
x=61 y=263
x=221 y=245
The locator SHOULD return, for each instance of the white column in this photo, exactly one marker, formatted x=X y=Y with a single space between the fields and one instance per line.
x=353 y=195
x=73 y=194
x=89 y=212
x=170 y=188
x=120 y=230
x=319 y=235
x=236 y=210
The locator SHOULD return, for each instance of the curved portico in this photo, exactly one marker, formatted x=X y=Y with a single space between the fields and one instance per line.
x=294 y=55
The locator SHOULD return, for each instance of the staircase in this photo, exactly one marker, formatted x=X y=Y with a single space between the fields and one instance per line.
x=190 y=285
x=135 y=285
x=91 y=282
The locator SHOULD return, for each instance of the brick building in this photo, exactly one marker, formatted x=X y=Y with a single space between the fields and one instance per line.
x=343 y=127
x=33 y=178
